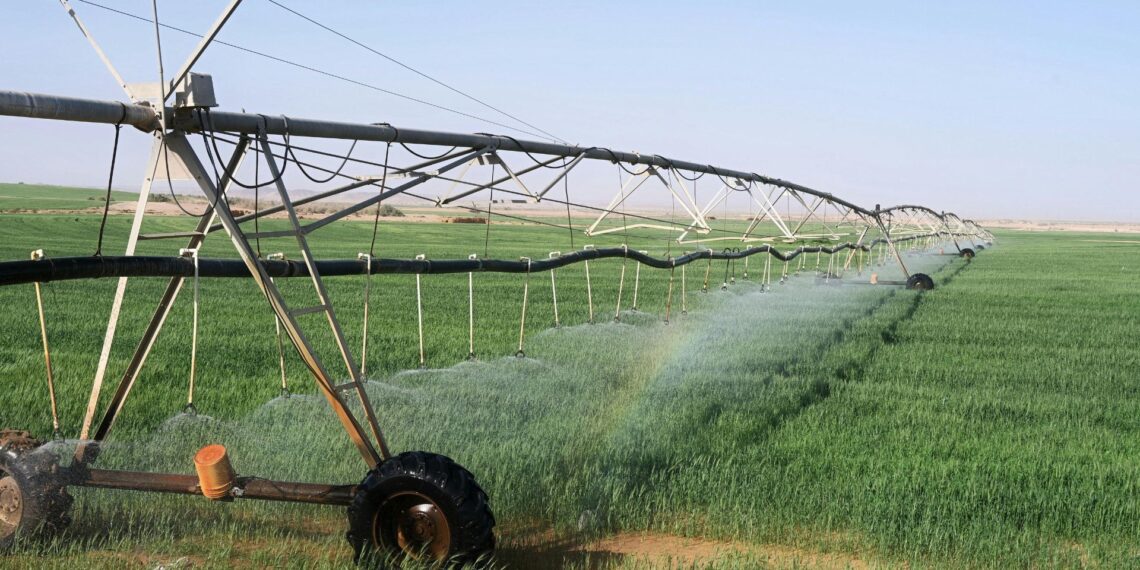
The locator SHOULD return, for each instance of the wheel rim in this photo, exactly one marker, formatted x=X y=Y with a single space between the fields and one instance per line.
x=414 y=524
x=11 y=505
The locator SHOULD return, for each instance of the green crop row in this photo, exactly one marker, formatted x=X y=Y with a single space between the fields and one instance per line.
x=990 y=422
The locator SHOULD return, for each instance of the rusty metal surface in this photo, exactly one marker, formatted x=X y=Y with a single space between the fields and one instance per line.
x=17 y=440
x=244 y=488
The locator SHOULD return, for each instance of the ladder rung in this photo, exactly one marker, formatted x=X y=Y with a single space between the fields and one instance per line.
x=274 y=234
x=308 y=310
x=171 y=235
x=345 y=386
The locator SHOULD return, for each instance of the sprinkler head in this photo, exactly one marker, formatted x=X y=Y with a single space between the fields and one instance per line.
x=520 y=354
x=471 y=357
x=190 y=410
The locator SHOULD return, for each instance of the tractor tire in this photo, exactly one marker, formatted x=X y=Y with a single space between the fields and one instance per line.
x=920 y=282
x=34 y=502
x=420 y=505
x=967 y=253
x=981 y=247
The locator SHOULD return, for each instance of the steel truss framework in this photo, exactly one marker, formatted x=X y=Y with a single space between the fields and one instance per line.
x=780 y=212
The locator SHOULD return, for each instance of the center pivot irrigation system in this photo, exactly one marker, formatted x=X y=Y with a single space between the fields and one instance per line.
x=413 y=503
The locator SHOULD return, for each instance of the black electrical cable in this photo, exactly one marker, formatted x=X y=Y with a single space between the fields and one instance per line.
x=490 y=201
x=693 y=179
x=110 y=180
x=376 y=219
x=522 y=195
x=170 y=183
x=615 y=160
x=287 y=138
x=412 y=69
x=425 y=157
x=671 y=223
x=208 y=127
x=536 y=161
x=256 y=194
x=566 y=189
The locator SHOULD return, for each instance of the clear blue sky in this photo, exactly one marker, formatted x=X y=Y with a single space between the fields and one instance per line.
x=990 y=109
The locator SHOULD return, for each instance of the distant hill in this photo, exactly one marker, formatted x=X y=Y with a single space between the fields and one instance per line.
x=18 y=196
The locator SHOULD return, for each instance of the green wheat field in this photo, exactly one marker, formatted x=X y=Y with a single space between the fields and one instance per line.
x=991 y=422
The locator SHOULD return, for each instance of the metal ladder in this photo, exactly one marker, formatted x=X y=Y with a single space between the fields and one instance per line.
x=289 y=316
x=176 y=143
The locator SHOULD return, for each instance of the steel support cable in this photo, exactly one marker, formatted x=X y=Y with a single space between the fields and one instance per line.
x=567 y=202
x=569 y=227
x=83 y=110
x=641 y=217
x=352 y=159
x=413 y=70
x=669 y=294
x=322 y=72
